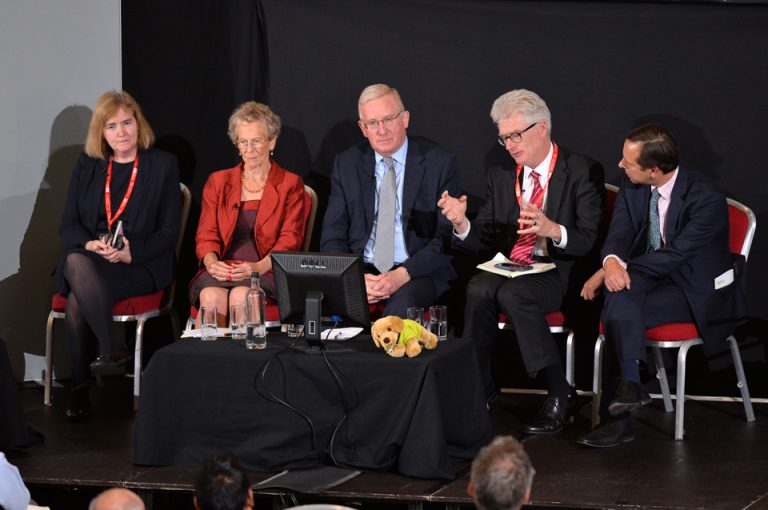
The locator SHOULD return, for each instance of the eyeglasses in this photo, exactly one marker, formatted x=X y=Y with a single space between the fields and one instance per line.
x=387 y=122
x=516 y=137
x=256 y=143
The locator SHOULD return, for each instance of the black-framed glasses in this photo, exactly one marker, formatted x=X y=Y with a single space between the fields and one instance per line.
x=515 y=137
x=387 y=122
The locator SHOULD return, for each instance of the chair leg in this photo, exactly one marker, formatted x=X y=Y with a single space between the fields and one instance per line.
x=48 y=377
x=682 y=356
x=661 y=375
x=570 y=359
x=137 y=362
x=741 y=378
x=597 y=380
x=175 y=325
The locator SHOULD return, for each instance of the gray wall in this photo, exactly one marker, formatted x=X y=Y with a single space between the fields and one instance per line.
x=56 y=58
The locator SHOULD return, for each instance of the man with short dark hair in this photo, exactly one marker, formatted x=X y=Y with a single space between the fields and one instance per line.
x=383 y=206
x=501 y=476
x=666 y=259
x=222 y=484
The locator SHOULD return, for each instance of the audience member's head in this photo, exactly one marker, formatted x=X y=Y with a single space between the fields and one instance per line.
x=222 y=484
x=116 y=499
x=502 y=475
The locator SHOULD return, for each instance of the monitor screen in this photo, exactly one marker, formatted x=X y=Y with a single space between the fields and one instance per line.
x=335 y=279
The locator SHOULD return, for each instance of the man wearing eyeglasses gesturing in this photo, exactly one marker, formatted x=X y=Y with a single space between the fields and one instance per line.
x=550 y=207
x=383 y=200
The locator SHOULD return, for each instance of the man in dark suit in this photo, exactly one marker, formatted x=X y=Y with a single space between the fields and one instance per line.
x=394 y=181
x=550 y=207
x=666 y=259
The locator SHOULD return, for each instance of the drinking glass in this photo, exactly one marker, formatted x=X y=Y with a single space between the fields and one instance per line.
x=208 y=322
x=438 y=321
x=237 y=321
x=415 y=313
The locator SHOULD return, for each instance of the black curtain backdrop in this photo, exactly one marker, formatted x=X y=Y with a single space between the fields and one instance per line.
x=602 y=67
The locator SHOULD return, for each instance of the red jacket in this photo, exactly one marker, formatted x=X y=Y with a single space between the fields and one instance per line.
x=279 y=223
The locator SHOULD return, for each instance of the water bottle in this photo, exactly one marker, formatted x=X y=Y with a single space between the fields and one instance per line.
x=255 y=319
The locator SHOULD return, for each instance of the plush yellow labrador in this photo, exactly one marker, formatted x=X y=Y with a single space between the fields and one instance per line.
x=401 y=336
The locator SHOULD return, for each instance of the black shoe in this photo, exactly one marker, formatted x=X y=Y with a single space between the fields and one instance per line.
x=630 y=396
x=611 y=434
x=79 y=407
x=492 y=395
x=113 y=364
x=552 y=415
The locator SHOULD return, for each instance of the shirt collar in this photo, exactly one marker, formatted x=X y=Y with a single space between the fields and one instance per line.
x=542 y=168
x=665 y=190
x=398 y=155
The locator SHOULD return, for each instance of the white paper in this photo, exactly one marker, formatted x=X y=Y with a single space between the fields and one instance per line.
x=724 y=279
x=340 y=333
x=536 y=267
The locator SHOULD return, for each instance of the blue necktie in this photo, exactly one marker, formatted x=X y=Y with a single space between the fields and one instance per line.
x=654 y=222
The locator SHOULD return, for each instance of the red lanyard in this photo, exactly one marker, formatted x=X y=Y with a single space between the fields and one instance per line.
x=539 y=199
x=108 y=194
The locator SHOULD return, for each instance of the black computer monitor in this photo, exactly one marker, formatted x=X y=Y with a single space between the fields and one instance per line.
x=311 y=286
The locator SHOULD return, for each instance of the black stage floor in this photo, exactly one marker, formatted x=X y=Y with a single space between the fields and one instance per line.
x=722 y=463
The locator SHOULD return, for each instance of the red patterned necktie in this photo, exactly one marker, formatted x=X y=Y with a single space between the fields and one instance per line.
x=523 y=248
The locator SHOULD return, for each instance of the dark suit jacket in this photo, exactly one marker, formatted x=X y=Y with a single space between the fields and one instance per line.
x=429 y=170
x=696 y=248
x=152 y=218
x=575 y=199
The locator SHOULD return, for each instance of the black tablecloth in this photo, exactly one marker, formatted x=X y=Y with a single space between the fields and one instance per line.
x=416 y=415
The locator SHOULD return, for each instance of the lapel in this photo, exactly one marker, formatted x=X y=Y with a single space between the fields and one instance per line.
x=677 y=199
x=141 y=188
x=269 y=198
x=98 y=183
x=412 y=177
x=555 y=187
x=231 y=193
x=366 y=165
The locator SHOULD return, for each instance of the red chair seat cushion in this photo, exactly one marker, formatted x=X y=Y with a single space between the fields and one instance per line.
x=673 y=332
x=133 y=305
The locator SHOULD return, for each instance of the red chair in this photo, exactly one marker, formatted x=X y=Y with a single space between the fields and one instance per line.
x=684 y=335
x=272 y=312
x=138 y=309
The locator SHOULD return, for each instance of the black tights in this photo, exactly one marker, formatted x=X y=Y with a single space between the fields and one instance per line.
x=89 y=314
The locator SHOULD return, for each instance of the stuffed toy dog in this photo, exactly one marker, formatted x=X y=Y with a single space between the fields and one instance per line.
x=401 y=336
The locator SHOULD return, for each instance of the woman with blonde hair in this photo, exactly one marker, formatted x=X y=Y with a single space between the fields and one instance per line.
x=119 y=227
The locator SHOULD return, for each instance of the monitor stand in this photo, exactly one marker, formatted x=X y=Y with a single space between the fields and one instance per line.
x=313 y=322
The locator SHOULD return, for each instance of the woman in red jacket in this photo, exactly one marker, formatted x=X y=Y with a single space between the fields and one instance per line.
x=247 y=212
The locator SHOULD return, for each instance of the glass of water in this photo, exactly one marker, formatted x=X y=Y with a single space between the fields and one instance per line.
x=237 y=321
x=438 y=321
x=208 y=322
x=415 y=313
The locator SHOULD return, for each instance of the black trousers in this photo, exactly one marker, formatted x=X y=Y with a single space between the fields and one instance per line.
x=526 y=301
x=417 y=292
